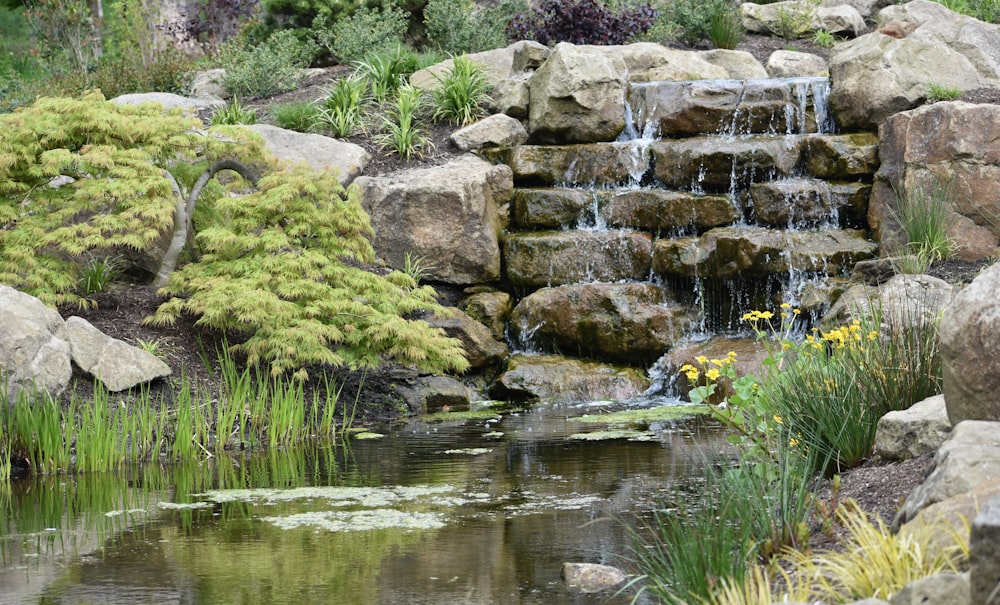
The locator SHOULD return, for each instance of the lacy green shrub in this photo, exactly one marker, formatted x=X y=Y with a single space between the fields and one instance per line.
x=264 y=69
x=282 y=269
x=117 y=154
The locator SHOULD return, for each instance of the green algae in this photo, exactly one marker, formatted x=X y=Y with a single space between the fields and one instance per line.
x=645 y=416
x=367 y=435
x=470 y=451
x=630 y=434
x=487 y=414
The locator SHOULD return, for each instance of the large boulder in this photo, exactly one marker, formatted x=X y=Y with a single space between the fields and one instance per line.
x=918 y=430
x=626 y=323
x=970 y=350
x=497 y=64
x=798 y=17
x=118 y=365
x=320 y=152
x=33 y=355
x=497 y=130
x=555 y=258
x=557 y=379
x=904 y=303
x=647 y=62
x=794 y=64
x=577 y=96
x=970 y=456
x=448 y=216
x=720 y=165
x=877 y=75
x=950 y=150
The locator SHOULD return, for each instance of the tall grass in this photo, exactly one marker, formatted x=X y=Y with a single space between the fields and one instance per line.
x=925 y=214
x=342 y=110
x=461 y=93
x=401 y=132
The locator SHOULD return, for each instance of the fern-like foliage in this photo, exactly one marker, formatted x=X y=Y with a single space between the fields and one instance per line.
x=120 y=196
x=282 y=265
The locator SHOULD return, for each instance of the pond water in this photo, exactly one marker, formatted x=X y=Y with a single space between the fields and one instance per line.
x=456 y=510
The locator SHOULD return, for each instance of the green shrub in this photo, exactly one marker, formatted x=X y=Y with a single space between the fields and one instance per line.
x=461 y=93
x=459 y=27
x=984 y=10
x=823 y=39
x=367 y=31
x=342 y=109
x=169 y=71
x=386 y=71
x=234 y=113
x=693 y=18
x=796 y=21
x=264 y=69
x=301 y=116
x=924 y=213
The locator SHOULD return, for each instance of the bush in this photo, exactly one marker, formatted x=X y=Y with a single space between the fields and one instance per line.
x=367 y=31
x=341 y=109
x=725 y=27
x=693 y=18
x=581 y=22
x=169 y=71
x=924 y=213
x=264 y=69
x=458 y=27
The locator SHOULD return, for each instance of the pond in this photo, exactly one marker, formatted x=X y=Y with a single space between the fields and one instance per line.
x=459 y=508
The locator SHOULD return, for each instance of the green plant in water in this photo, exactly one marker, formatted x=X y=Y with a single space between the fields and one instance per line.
x=234 y=113
x=401 y=133
x=301 y=116
x=461 y=93
x=939 y=92
x=341 y=110
x=98 y=274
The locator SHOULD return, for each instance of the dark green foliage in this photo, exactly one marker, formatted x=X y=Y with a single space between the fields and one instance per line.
x=459 y=26
x=461 y=93
x=300 y=116
x=581 y=22
x=725 y=27
x=264 y=69
x=694 y=18
x=367 y=31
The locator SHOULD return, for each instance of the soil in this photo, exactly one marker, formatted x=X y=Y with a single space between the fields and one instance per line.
x=877 y=486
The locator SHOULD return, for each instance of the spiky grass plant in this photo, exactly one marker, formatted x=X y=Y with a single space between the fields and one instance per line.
x=401 y=133
x=342 y=108
x=385 y=72
x=234 y=113
x=461 y=92
x=725 y=26
x=939 y=92
x=925 y=214
x=300 y=116
x=98 y=274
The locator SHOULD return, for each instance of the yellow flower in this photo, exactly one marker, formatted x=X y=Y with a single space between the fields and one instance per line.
x=777 y=419
x=797 y=311
x=712 y=374
x=793 y=442
x=701 y=359
x=690 y=371
x=786 y=306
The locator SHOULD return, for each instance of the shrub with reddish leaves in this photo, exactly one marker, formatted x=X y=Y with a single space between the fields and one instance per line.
x=581 y=22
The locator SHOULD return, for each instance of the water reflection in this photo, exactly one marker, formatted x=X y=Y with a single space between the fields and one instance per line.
x=514 y=498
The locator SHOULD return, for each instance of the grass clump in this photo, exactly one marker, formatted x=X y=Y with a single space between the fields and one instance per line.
x=301 y=116
x=342 y=109
x=925 y=214
x=725 y=26
x=401 y=133
x=939 y=92
x=461 y=93
x=234 y=113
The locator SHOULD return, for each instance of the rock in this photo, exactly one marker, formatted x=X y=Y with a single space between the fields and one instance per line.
x=750 y=355
x=492 y=309
x=949 y=521
x=497 y=64
x=497 y=130
x=970 y=364
x=118 y=365
x=170 y=101
x=718 y=165
x=909 y=433
x=984 y=552
x=794 y=64
x=949 y=150
x=847 y=157
x=429 y=394
x=877 y=75
x=528 y=56
x=577 y=96
x=649 y=62
x=865 y=8
x=728 y=252
x=799 y=17
x=446 y=215
x=942 y=588
x=208 y=85
x=557 y=379
x=794 y=203
x=33 y=355
x=590 y=577
x=601 y=164
x=739 y=64
x=870 y=601
x=540 y=259
x=625 y=323
x=970 y=456
x=511 y=96
x=346 y=160
x=481 y=349
x=736 y=107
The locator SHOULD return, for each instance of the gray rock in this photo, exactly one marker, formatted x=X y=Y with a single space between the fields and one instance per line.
x=984 y=552
x=554 y=258
x=876 y=75
x=497 y=130
x=596 y=164
x=970 y=456
x=497 y=64
x=447 y=215
x=492 y=309
x=649 y=62
x=913 y=432
x=512 y=97
x=528 y=56
x=840 y=19
x=208 y=84
x=429 y=394
x=942 y=588
x=320 y=152
x=793 y=64
x=970 y=365
x=33 y=355
x=557 y=379
x=590 y=577
x=170 y=101
x=949 y=521
x=577 y=96
x=739 y=64
x=481 y=349
x=118 y=365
